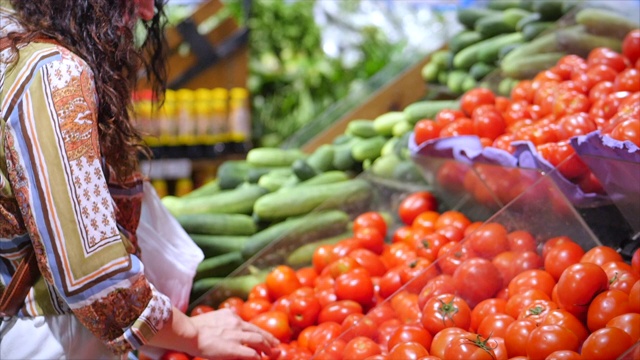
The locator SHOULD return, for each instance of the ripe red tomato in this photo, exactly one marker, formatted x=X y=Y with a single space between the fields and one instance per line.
x=516 y=303
x=475 y=98
x=567 y=320
x=470 y=347
x=488 y=124
x=579 y=284
x=527 y=260
x=200 y=309
x=425 y=130
x=251 y=308
x=323 y=334
x=369 y=261
x=578 y=123
x=523 y=91
x=495 y=325
x=410 y=333
x=521 y=240
x=441 y=284
x=532 y=279
x=370 y=219
x=333 y=350
x=390 y=282
x=477 y=279
x=174 y=355
x=546 y=339
x=631 y=45
x=627 y=130
x=370 y=239
x=572 y=102
x=341 y=266
x=360 y=348
x=417 y=273
x=600 y=91
x=427 y=246
x=537 y=311
x=443 y=338
x=355 y=325
x=485 y=308
x=561 y=257
x=303 y=311
x=408 y=350
x=338 y=310
x=396 y=254
x=635 y=261
x=322 y=256
x=405 y=305
x=607 y=57
x=564 y=355
x=629 y=323
x=282 y=281
x=276 y=323
x=601 y=254
x=605 y=306
x=461 y=126
x=628 y=80
x=517 y=336
x=451 y=255
x=606 y=343
x=232 y=303
x=489 y=240
x=448 y=116
x=415 y=204
x=445 y=311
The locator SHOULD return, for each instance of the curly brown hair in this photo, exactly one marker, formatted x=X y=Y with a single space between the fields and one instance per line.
x=100 y=33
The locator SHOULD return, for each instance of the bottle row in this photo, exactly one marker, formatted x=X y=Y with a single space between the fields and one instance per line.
x=194 y=117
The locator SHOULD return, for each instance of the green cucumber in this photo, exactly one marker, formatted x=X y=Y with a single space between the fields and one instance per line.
x=384 y=123
x=223 y=288
x=464 y=39
x=442 y=77
x=276 y=179
x=303 y=255
x=455 y=79
x=549 y=10
x=209 y=188
x=384 y=166
x=490 y=51
x=217 y=224
x=527 y=68
x=512 y=16
x=470 y=16
x=219 y=265
x=532 y=30
x=546 y=43
x=429 y=72
x=401 y=128
x=480 y=70
x=428 y=109
x=232 y=173
x=296 y=231
x=576 y=40
x=389 y=146
x=493 y=25
x=256 y=172
x=327 y=177
x=212 y=245
x=342 y=158
x=233 y=201
x=508 y=4
x=361 y=128
x=273 y=156
x=533 y=17
x=298 y=201
x=368 y=148
x=322 y=158
x=468 y=83
x=442 y=58
x=302 y=170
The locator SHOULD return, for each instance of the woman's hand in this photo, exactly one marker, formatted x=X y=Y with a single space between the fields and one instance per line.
x=224 y=335
x=216 y=335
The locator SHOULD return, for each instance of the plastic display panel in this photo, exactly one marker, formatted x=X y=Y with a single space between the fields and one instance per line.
x=541 y=209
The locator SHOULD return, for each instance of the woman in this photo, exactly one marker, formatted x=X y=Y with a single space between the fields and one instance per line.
x=70 y=189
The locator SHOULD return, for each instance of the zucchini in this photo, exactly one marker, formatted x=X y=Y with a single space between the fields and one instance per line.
x=302 y=170
x=217 y=224
x=219 y=265
x=232 y=173
x=368 y=148
x=212 y=245
x=273 y=156
x=464 y=39
x=428 y=109
x=303 y=255
x=384 y=123
x=322 y=158
x=361 y=128
x=296 y=231
x=233 y=201
x=298 y=201
x=206 y=189
x=469 y=16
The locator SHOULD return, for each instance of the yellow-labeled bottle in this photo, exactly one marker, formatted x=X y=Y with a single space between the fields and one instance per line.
x=219 y=119
x=185 y=104
x=239 y=115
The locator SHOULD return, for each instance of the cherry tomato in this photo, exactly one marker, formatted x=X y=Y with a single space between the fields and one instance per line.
x=561 y=257
x=600 y=91
x=606 y=343
x=408 y=351
x=445 y=311
x=488 y=124
x=567 y=320
x=425 y=130
x=627 y=130
x=411 y=333
x=523 y=91
x=475 y=98
x=517 y=336
x=370 y=219
x=322 y=256
x=443 y=338
x=631 y=45
x=599 y=73
x=579 y=284
x=341 y=266
x=608 y=57
x=470 y=347
x=360 y=348
x=477 y=279
x=628 y=80
x=572 y=102
x=448 y=116
x=546 y=339
x=338 y=310
x=405 y=304
x=427 y=246
x=574 y=124
x=415 y=204
x=276 y=323
x=462 y=126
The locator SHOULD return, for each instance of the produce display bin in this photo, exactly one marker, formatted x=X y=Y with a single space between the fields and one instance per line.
x=541 y=209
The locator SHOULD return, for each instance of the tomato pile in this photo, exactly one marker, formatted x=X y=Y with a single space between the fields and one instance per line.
x=575 y=97
x=445 y=287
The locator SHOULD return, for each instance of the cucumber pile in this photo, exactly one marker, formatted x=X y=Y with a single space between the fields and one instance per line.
x=515 y=40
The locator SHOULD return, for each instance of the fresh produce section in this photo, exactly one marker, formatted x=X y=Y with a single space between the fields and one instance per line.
x=452 y=228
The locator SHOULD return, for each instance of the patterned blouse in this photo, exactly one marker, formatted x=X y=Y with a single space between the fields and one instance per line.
x=55 y=195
